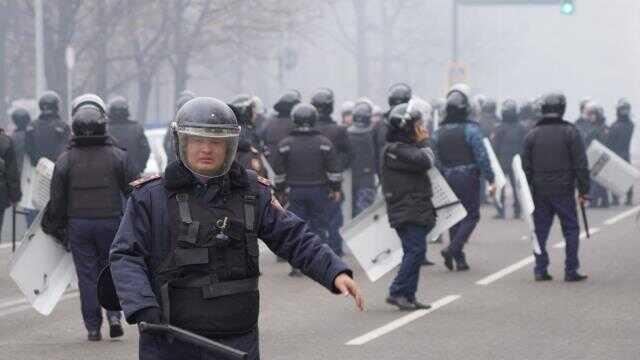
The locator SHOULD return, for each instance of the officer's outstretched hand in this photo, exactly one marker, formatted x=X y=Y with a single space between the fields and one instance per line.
x=348 y=287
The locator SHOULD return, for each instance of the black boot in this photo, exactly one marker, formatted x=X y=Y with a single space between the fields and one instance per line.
x=574 y=277
x=543 y=277
x=94 y=335
x=461 y=264
x=115 y=328
x=405 y=304
x=448 y=259
x=426 y=262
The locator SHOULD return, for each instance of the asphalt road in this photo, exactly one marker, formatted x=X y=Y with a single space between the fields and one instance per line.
x=494 y=311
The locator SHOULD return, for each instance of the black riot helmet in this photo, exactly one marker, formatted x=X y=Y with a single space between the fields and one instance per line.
x=21 y=118
x=553 y=105
x=304 y=116
x=184 y=96
x=118 y=108
x=49 y=103
x=457 y=105
x=323 y=100
x=403 y=117
x=243 y=107
x=399 y=93
x=509 y=110
x=623 y=108
x=287 y=101
x=207 y=129
x=362 y=113
x=88 y=116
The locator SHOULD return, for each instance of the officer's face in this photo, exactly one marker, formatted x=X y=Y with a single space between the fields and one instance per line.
x=206 y=155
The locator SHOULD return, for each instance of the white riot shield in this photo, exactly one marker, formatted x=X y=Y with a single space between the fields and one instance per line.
x=610 y=170
x=41 y=268
x=41 y=184
x=26 y=179
x=500 y=179
x=347 y=190
x=526 y=200
x=448 y=207
x=371 y=240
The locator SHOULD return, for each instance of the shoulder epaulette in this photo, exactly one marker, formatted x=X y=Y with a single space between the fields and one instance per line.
x=143 y=180
x=263 y=181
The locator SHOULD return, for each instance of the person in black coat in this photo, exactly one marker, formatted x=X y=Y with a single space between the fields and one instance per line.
x=407 y=192
x=129 y=135
x=619 y=140
x=10 y=193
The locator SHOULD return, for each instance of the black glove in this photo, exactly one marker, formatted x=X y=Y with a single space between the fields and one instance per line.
x=151 y=315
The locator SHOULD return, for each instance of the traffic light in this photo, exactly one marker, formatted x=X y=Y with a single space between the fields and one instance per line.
x=568 y=7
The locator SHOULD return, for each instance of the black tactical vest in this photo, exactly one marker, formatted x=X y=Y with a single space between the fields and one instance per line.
x=453 y=149
x=94 y=189
x=363 y=147
x=208 y=283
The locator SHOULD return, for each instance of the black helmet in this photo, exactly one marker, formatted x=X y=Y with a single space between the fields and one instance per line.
x=21 y=118
x=362 y=113
x=49 y=103
x=553 y=105
x=118 y=108
x=184 y=96
x=457 y=105
x=205 y=121
x=322 y=99
x=509 y=110
x=88 y=116
x=304 y=116
x=403 y=117
x=623 y=108
x=287 y=101
x=399 y=93
x=243 y=107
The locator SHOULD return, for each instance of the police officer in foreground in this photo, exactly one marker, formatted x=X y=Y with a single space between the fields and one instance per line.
x=619 y=140
x=186 y=252
x=555 y=163
x=10 y=193
x=463 y=160
x=279 y=126
x=363 y=161
x=248 y=154
x=407 y=192
x=309 y=175
x=168 y=142
x=508 y=139
x=89 y=182
x=48 y=135
x=323 y=101
x=129 y=135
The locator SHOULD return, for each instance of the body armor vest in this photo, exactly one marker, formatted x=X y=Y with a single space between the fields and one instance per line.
x=208 y=283
x=453 y=149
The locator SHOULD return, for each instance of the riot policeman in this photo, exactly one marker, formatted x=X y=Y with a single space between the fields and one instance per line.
x=21 y=119
x=323 y=101
x=167 y=142
x=619 y=139
x=89 y=181
x=10 y=192
x=554 y=161
x=462 y=159
x=128 y=134
x=597 y=130
x=278 y=127
x=346 y=111
x=407 y=191
x=507 y=143
x=187 y=253
x=48 y=134
x=488 y=119
x=363 y=161
x=248 y=154
x=307 y=168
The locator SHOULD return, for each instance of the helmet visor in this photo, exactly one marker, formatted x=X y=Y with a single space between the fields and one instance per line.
x=208 y=151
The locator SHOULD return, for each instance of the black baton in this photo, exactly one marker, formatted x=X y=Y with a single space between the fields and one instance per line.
x=194 y=339
x=584 y=219
x=13 y=230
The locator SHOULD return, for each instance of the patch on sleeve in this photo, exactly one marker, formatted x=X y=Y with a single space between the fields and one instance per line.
x=264 y=181
x=143 y=180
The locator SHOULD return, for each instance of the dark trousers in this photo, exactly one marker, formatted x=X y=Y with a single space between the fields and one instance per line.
x=157 y=347
x=414 y=245
x=310 y=203
x=90 y=241
x=466 y=186
x=546 y=208
x=599 y=195
x=363 y=197
x=516 y=199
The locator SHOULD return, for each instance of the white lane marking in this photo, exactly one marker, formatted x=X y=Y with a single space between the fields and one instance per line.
x=506 y=271
x=19 y=305
x=361 y=340
x=622 y=216
x=583 y=235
